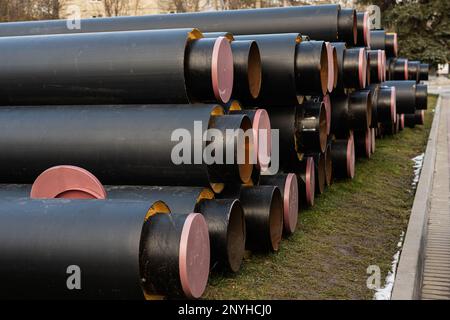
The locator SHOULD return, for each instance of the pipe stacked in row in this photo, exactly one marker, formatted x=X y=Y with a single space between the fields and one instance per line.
x=140 y=109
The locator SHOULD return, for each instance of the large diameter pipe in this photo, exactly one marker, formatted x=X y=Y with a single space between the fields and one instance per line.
x=278 y=54
x=383 y=104
x=290 y=67
x=161 y=66
x=384 y=99
x=380 y=39
x=411 y=120
x=351 y=112
x=306 y=177
x=312 y=126
x=224 y=217
x=246 y=66
x=312 y=68
x=333 y=69
x=263 y=211
x=122 y=249
x=352 y=67
x=327 y=22
x=284 y=119
x=409 y=95
x=363 y=29
x=262 y=137
x=139 y=136
x=398 y=69
x=288 y=185
x=319 y=172
x=376 y=65
x=424 y=70
x=363 y=143
x=414 y=70
x=343 y=157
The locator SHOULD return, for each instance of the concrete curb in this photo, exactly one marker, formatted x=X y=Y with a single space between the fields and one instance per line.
x=409 y=271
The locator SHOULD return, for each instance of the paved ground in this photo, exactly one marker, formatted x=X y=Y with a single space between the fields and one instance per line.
x=436 y=273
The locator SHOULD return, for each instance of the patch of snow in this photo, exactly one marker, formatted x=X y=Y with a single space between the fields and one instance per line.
x=385 y=292
x=418 y=162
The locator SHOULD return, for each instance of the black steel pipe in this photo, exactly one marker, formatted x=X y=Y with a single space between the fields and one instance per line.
x=319 y=172
x=409 y=95
x=414 y=70
x=363 y=29
x=263 y=211
x=262 y=140
x=227 y=231
x=333 y=69
x=290 y=67
x=288 y=185
x=421 y=96
x=398 y=69
x=162 y=66
x=374 y=92
x=247 y=70
x=306 y=177
x=284 y=119
x=123 y=249
x=351 y=112
x=352 y=67
x=278 y=54
x=363 y=143
x=224 y=217
x=246 y=66
x=386 y=103
x=312 y=126
x=391 y=44
x=312 y=72
x=106 y=138
x=326 y=22
x=343 y=157
x=424 y=70
x=411 y=120
x=380 y=39
x=376 y=65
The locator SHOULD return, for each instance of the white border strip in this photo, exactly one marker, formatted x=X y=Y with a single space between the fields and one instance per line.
x=409 y=272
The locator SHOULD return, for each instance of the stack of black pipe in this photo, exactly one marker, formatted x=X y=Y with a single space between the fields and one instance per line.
x=112 y=135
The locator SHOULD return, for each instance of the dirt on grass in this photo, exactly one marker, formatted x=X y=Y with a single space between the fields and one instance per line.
x=353 y=225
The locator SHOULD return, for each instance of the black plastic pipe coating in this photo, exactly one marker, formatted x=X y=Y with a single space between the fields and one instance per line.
x=409 y=95
x=290 y=68
x=352 y=67
x=224 y=217
x=263 y=211
x=108 y=137
x=246 y=66
x=325 y=22
x=382 y=40
x=343 y=157
x=160 y=66
x=351 y=112
x=110 y=241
